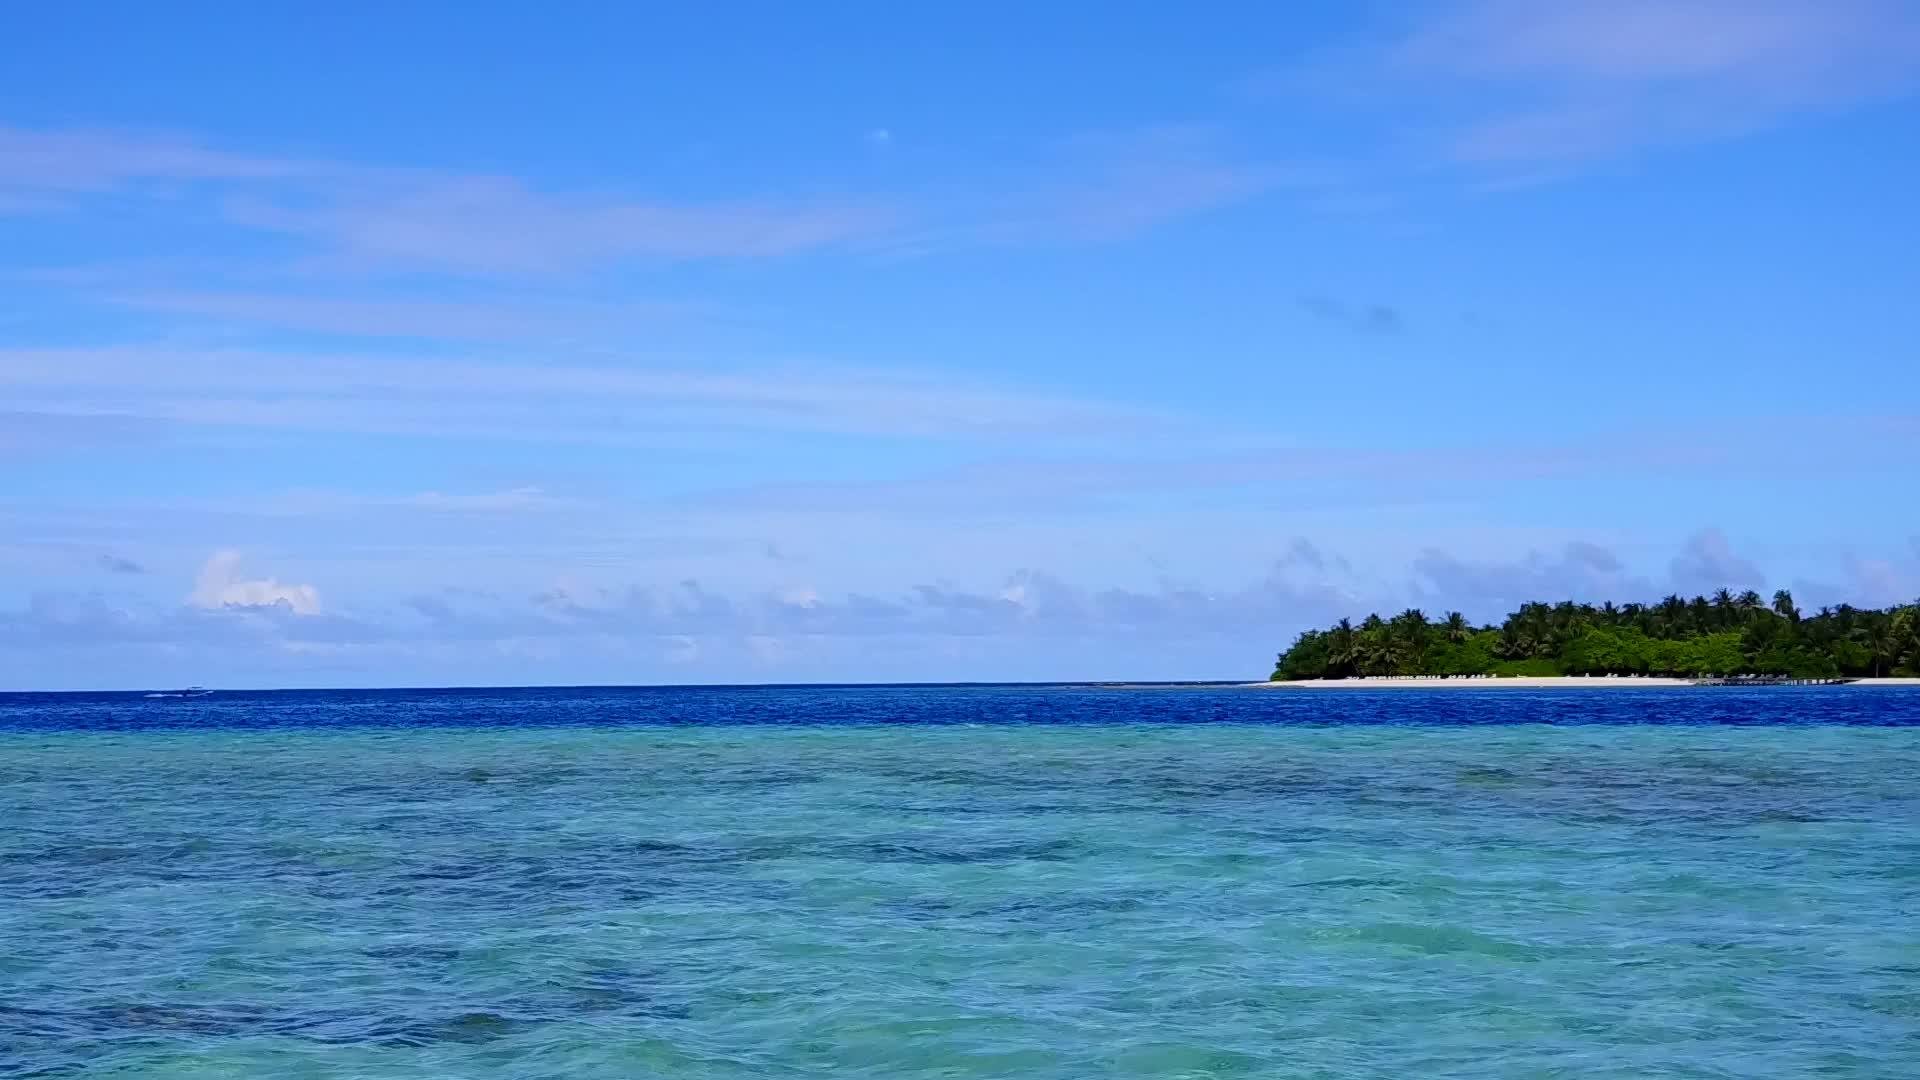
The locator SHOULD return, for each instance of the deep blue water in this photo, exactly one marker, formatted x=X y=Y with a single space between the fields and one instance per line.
x=896 y=883
x=1064 y=704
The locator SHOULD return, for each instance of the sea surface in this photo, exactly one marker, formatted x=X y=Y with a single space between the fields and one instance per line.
x=908 y=882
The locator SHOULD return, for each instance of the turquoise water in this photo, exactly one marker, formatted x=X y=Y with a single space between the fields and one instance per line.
x=1116 y=899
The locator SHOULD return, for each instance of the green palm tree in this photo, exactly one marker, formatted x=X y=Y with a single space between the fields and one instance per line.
x=1379 y=654
x=1905 y=627
x=1726 y=610
x=1783 y=605
x=1401 y=655
x=1700 y=614
x=1343 y=649
x=1457 y=628
x=1882 y=644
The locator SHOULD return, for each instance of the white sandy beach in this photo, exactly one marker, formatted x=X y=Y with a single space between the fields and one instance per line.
x=1522 y=682
x=1518 y=682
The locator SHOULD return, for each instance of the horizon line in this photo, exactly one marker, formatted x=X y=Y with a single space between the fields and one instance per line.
x=905 y=685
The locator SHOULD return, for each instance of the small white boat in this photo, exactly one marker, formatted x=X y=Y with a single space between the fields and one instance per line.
x=191 y=691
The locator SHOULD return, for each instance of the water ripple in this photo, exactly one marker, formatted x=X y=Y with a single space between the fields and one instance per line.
x=330 y=890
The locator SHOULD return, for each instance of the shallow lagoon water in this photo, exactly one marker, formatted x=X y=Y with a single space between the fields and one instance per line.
x=951 y=882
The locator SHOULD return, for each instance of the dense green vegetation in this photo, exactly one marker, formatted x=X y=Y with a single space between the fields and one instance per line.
x=1726 y=634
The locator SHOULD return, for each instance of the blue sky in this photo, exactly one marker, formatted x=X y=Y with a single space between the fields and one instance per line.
x=441 y=344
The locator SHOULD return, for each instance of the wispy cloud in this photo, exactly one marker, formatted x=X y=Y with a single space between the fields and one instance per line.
x=494 y=319
x=1305 y=476
x=517 y=500
x=114 y=564
x=1122 y=182
x=609 y=403
x=1708 y=563
x=380 y=216
x=1097 y=187
x=383 y=218
x=1789 y=49
x=1486 y=589
x=782 y=629
x=1607 y=78
x=1521 y=92
x=94 y=161
x=26 y=432
x=500 y=225
x=236 y=621
x=1593 y=573
x=1026 y=603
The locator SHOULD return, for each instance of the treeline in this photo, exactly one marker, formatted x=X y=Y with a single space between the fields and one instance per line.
x=1726 y=634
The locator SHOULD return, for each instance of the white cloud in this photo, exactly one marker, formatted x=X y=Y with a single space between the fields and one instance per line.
x=362 y=218
x=1708 y=562
x=1530 y=91
x=800 y=597
x=1611 y=77
x=220 y=586
x=404 y=217
x=495 y=319
x=1487 y=589
x=525 y=401
x=499 y=225
x=85 y=161
x=1100 y=186
x=1031 y=624
x=522 y=498
x=508 y=501
x=1808 y=47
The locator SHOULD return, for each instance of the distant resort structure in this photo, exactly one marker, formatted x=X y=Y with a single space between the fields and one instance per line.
x=1727 y=639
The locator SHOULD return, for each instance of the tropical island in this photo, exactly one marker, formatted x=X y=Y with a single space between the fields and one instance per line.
x=1727 y=634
